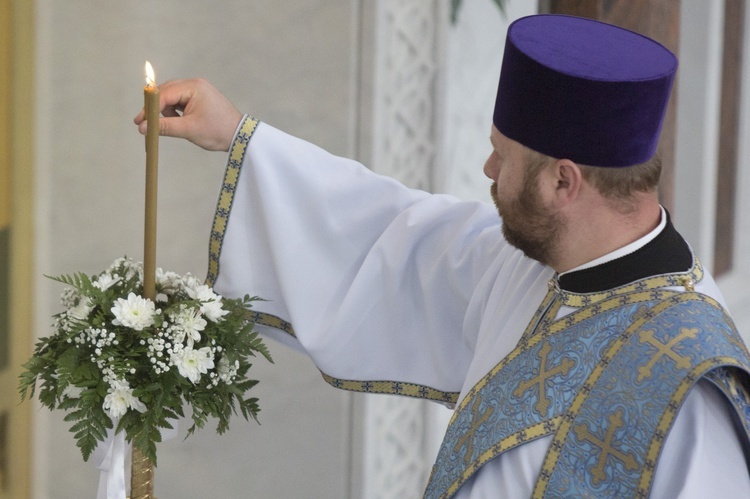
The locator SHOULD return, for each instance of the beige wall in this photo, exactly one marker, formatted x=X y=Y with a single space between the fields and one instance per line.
x=290 y=63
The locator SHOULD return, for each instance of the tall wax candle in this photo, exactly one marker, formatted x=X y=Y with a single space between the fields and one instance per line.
x=142 y=469
x=151 y=98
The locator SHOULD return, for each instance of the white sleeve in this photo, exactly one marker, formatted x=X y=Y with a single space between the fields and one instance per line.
x=375 y=278
x=703 y=455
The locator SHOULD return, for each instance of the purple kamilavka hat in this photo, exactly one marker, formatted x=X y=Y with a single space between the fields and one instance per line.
x=583 y=90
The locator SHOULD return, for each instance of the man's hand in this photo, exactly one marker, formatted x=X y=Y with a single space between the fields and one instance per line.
x=196 y=111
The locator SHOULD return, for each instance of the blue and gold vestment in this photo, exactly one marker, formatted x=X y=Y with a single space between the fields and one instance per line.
x=607 y=381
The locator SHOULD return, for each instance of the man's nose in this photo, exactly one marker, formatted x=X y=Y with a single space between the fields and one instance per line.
x=491 y=167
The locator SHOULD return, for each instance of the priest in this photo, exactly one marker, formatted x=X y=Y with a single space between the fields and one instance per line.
x=586 y=350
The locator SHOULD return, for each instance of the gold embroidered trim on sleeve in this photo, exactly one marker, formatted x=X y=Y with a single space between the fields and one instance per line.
x=226 y=197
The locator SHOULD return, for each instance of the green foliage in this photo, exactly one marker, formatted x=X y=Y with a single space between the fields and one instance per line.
x=103 y=372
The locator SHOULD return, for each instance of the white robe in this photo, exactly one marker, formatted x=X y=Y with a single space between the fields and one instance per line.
x=386 y=283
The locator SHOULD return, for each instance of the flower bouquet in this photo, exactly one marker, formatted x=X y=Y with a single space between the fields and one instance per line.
x=123 y=363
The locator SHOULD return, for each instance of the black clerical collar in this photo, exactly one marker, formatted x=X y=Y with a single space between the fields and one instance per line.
x=667 y=253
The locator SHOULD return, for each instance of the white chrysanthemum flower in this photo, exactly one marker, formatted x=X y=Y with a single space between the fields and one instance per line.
x=105 y=281
x=201 y=292
x=82 y=310
x=119 y=399
x=72 y=391
x=192 y=363
x=136 y=312
x=190 y=323
x=210 y=302
x=168 y=281
x=190 y=283
x=213 y=311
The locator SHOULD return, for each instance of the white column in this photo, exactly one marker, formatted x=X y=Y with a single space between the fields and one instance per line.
x=404 y=146
x=698 y=105
x=734 y=283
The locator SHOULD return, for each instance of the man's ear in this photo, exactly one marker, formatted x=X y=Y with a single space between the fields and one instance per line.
x=568 y=180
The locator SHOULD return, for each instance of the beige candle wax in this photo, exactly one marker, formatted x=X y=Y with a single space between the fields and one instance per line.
x=151 y=98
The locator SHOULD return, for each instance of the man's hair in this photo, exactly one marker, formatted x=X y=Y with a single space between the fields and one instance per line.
x=618 y=185
x=622 y=183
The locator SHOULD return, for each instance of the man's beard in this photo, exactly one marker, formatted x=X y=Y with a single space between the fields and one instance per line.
x=527 y=224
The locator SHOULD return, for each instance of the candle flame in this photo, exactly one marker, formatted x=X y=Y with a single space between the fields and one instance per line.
x=150 y=78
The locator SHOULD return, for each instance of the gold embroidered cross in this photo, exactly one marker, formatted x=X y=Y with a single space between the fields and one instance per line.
x=563 y=368
x=607 y=449
x=665 y=349
x=468 y=437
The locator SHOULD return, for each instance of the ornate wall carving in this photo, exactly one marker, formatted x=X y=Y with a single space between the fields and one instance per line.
x=405 y=137
x=395 y=461
x=406 y=91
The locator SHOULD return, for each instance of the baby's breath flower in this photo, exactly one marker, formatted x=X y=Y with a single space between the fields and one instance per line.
x=69 y=297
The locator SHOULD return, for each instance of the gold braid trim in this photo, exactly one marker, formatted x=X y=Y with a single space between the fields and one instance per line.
x=228 y=187
x=688 y=280
x=392 y=388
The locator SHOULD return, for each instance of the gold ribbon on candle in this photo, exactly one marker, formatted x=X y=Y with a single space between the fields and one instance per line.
x=141 y=476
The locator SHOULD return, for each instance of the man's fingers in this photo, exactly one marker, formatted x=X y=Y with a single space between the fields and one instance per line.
x=174 y=127
x=169 y=112
x=172 y=112
x=175 y=94
x=169 y=126
x=171 y=100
